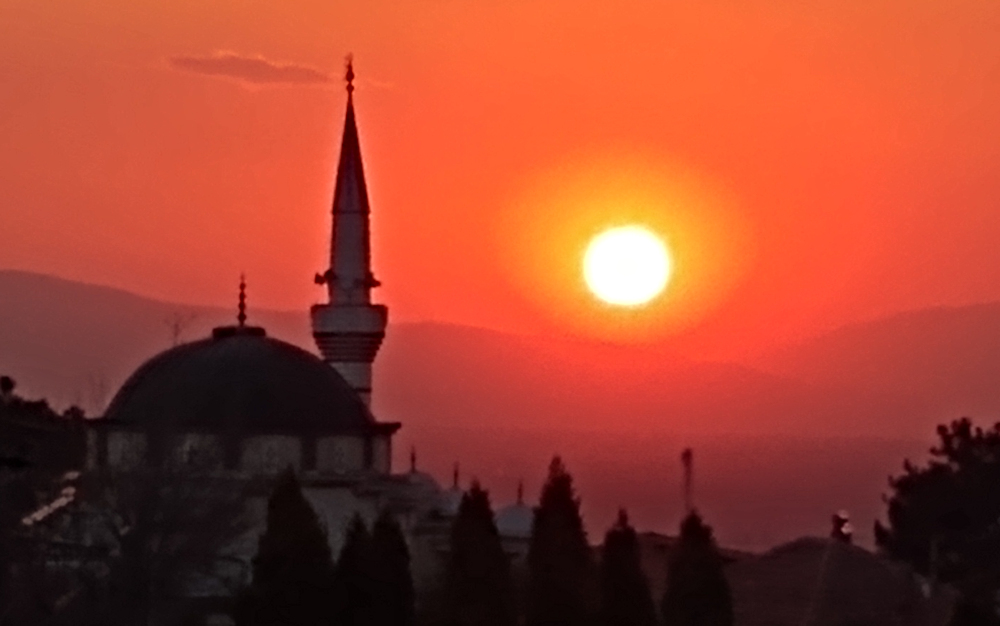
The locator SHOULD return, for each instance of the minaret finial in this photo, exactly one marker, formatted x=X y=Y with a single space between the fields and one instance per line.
x=413 y=458
x=349 y=77
x=242 y=316
x=520 y=492
x=454 y=477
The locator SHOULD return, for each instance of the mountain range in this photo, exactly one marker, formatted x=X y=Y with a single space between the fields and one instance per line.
x=781 y=441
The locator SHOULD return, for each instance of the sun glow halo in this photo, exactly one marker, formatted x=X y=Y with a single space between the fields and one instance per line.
x=627 y=265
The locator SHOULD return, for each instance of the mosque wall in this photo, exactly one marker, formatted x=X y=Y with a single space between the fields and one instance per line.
x=336 y=507
x=382 y=455
x=126 y=450
x=198 y=451
x=269 y=454
x=339 y=455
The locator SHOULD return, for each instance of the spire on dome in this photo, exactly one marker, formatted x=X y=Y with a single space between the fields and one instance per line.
x=413 y=459
x=454 y=477
x=241 y=317
x=520 y=492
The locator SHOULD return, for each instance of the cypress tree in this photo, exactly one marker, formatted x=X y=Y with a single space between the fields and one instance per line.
x=625 y=596
x=480 y=592
x=697 y=592
x=293 y=570
x=393 y=582
x=355 y=597
x=561 y=583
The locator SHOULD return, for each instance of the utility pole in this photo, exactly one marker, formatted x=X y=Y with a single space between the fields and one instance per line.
x=687 y=460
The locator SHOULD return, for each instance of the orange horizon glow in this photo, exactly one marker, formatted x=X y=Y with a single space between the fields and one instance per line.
x=810 y=166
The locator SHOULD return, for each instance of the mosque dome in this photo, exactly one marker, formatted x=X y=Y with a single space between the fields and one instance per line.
x=451 y=501
x=240 y=379
x=516 y=520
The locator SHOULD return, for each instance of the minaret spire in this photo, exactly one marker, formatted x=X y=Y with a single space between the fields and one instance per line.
x=349 y=329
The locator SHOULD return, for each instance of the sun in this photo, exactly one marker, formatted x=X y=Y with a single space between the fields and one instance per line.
x=627 y=266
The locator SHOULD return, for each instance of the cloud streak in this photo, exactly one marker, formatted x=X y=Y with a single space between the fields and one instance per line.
x=250 y=69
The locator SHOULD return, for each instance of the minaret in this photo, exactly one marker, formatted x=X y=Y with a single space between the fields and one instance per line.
x=349 y=329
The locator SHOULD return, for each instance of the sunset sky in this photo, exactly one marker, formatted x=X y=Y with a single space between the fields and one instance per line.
x=809 y=163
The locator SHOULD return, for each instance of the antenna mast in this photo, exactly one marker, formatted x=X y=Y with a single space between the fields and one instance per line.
x=687 y=459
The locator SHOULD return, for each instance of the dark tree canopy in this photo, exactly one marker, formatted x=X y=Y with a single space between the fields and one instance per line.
x=625 y=595
x=293 y=571
x=393 y=581
x=562 y=587
x=355 y=578
x=480 y=591
x=943 y=517
x=697 y=592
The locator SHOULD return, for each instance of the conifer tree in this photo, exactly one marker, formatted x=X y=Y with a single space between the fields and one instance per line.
x=393 y=581
x=293 y=571
x=355 y=595
x=480 y=591
x=697 y=592
x=561 y=587
x=625 y=595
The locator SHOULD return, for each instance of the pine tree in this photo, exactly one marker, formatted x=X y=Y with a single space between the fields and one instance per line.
x=393 y=582
x=561 y=583
x=625 y=595
x=697 y=592
x=293 y=570
x=355 y=593
x=480 y=591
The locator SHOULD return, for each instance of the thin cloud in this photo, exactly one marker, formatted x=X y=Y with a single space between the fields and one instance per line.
x=251 y=69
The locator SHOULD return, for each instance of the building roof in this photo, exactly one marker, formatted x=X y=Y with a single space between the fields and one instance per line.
x=242 y=380
x=515 y=521
x=825 y=582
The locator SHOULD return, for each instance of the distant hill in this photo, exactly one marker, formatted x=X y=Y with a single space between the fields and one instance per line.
x=780 y=444
x=935 y=363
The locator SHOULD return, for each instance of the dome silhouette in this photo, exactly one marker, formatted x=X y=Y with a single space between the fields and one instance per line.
x=240 y=379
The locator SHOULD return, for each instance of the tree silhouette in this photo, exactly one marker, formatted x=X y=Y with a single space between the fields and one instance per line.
x=293 y=570
x=943 y=517
x=355 y=598
x=479 y=591
x=393 y=582
x=561 y=588
x=7 y=386
x=697 y=593
x=625 y=595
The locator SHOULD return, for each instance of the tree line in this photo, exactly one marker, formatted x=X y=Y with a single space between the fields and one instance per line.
x=297 y=582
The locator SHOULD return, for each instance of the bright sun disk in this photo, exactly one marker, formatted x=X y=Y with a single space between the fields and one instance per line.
x=627 y=266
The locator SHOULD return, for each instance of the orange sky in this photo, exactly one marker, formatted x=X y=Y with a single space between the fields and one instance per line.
x=817 y=162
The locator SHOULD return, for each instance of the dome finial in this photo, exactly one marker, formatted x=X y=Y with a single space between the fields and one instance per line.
x=520 y=492
x=454 y=477
x=349 y=77
x=413 y=459
x=241 y=317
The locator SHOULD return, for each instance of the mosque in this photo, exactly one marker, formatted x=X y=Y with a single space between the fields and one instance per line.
x=244 y=405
